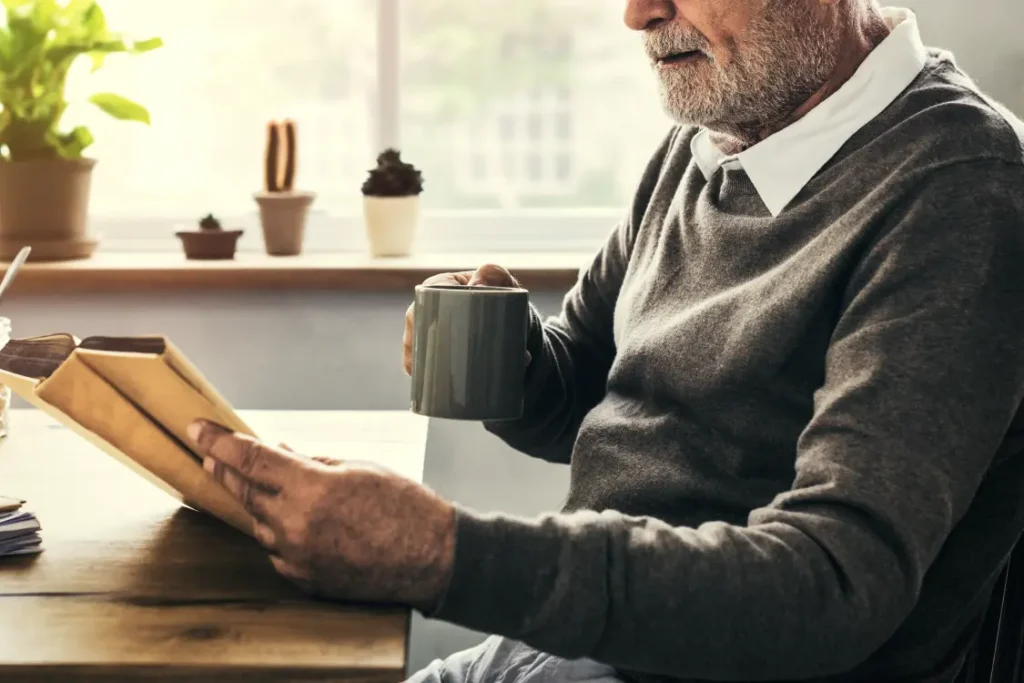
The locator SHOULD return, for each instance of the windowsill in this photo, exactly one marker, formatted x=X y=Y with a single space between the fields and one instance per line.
x=140 y=272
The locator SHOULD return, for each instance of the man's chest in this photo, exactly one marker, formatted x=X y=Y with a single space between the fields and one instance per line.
x=716 y=303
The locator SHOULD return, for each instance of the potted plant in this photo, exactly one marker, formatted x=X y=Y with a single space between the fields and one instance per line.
x=283 y=210
x=391 y=205
x=45 y=178
x=210 y=242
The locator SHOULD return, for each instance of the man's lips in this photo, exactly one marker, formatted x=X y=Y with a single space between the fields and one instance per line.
x=680 y=57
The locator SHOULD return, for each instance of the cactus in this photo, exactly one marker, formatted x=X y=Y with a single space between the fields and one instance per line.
x=209 y=224
x=270 y=156
x=393 y=177
x=291 y=156
x=280 y=157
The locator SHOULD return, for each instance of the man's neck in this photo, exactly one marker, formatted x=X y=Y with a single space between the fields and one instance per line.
x=864 y=34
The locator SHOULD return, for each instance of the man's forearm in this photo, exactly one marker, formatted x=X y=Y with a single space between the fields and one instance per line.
x=719 y=603
x=564 y=380
x=573 y=353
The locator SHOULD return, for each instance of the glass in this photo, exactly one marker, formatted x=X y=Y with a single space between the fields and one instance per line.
x=5 y=391
x=554 y=98
x=227 y=68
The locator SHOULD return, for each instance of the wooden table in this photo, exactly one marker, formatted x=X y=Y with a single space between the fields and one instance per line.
x=132 y=586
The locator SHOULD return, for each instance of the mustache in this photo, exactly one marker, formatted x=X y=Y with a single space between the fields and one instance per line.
x=671 y=39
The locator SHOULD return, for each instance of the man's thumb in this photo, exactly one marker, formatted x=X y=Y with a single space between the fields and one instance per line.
x=492 y=276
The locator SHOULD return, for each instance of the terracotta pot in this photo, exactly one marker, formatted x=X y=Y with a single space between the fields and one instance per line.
x=283 y=219
x=209 y=245
x=44 y=204
x=391 y=224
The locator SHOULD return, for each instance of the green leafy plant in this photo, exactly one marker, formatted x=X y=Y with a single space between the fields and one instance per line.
x=393 y=177
x=38 y=44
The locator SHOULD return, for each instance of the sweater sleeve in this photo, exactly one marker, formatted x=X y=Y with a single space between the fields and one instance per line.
x=923 y=376
x=572 y=353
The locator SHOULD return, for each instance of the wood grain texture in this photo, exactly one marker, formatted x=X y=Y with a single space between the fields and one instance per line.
x=132 y=586
x=124 y=272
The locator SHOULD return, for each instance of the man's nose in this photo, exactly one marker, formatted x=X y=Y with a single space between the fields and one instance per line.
x=645 y=14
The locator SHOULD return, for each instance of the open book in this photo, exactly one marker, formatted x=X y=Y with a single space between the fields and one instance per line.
x=19 y=529
x=133 y=397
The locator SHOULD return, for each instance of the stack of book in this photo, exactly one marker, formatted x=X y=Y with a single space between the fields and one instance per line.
x=19 y=529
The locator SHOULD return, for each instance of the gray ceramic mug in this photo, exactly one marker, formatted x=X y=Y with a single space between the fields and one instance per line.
x=469 y=352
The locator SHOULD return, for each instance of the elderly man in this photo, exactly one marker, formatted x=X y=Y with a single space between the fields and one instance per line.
x=784 y=387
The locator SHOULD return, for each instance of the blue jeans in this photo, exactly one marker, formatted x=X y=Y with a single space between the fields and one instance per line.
x=499 y=660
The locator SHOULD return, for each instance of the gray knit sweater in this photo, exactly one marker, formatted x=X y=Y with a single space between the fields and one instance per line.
x=787 y=436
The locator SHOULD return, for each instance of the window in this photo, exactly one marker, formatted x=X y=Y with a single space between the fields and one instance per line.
x=536 y=125
x=567 y=72
x=519 y=114
x=529 y=118
x=228 y=68
x=564 y=167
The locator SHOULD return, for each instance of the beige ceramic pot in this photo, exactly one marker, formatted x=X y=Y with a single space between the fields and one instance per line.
x=44 y=204
x=283 y=219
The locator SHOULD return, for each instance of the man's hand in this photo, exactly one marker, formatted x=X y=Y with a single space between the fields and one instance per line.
x=345 y=530
x=488 y=276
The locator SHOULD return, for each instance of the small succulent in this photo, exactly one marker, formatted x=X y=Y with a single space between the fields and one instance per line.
x=209 y=224
x=280 y=156
x=393 y=177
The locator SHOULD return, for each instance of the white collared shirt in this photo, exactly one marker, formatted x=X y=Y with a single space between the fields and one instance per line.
x=780 y=165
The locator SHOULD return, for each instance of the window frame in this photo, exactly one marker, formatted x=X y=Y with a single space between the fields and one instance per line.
x=576 y=230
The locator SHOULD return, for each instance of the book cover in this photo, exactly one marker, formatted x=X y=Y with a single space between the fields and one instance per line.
x=133 y=398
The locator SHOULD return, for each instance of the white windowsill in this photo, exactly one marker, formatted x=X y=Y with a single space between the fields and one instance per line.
x=440 y=232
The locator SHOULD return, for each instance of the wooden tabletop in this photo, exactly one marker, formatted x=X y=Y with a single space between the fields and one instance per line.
x=133 y=586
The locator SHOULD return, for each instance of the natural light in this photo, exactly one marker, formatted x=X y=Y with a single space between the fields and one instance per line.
x=515 y=112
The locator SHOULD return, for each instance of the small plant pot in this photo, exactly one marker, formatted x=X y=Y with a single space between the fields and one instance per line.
x=391 y=224
x=209 y=245
x=283 y=219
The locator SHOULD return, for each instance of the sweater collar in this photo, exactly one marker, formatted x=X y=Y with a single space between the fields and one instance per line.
x=782 y=164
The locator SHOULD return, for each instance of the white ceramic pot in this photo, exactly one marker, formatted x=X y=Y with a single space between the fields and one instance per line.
x=391 y=224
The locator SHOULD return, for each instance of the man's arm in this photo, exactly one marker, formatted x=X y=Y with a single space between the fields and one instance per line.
x=572 y=353
x=924 y=374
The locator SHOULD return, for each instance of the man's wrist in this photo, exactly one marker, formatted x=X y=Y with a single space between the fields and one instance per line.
x=439 y=561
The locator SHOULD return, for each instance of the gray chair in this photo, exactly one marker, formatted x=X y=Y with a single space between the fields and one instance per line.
x=996 y=656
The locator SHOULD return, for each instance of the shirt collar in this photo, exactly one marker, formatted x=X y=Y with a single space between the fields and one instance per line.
x=782 y=164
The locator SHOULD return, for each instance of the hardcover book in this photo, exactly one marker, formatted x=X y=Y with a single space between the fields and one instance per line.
x=133 y=397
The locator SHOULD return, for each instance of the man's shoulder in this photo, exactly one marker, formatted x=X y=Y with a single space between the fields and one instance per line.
x=944 y=118
x=666 y=166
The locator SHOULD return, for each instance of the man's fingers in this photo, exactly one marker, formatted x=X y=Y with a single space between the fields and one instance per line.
x=450 y=278
x=322 y=459
x=265 y=535
x=328 y=461
x=257 y=501
x=256 y=462
x=289 y=571
x=492 y=276
x=407 y=341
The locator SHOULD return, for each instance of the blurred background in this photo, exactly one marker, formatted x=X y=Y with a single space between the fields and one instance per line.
x=541 y=111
